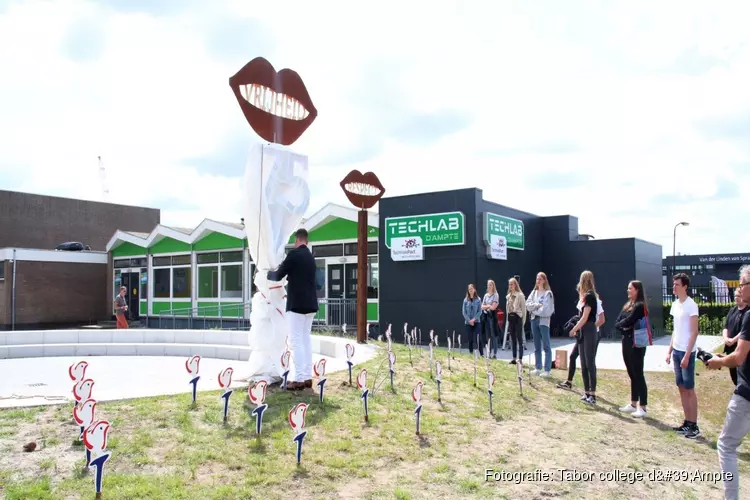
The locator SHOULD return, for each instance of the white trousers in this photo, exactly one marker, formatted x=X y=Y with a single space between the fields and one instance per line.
x=300 y=343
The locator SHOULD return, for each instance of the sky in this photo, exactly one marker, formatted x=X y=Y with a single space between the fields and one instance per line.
x=631 y=115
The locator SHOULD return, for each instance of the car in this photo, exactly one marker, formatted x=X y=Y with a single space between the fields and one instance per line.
x=72 y=246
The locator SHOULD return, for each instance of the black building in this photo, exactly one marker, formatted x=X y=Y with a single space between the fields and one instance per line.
x=700 y=268
x=456 y=229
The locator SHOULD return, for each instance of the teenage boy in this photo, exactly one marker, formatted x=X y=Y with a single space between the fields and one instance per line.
x=682 y=351
x=737 y=421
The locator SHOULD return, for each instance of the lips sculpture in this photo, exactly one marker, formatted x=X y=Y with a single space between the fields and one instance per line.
x=275 y=104
x=276 y=196
x=362 y=190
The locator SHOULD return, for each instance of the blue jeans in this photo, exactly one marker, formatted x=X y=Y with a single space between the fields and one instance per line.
x=541 y=338
x=684 y=377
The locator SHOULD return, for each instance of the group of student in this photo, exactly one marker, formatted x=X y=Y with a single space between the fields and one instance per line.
x=483 y=327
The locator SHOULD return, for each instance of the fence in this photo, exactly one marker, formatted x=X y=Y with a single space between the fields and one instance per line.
x=713 y=307
x=332 y=314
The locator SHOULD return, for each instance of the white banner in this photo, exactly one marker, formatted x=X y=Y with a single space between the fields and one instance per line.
x=498 y=247
x=405 y=249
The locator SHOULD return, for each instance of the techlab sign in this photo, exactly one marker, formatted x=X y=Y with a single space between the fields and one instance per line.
x=433 y=230
x=405 y=249
x=502 y=233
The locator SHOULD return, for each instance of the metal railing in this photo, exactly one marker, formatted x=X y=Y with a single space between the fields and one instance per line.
x=703 y=294
x=332 y=313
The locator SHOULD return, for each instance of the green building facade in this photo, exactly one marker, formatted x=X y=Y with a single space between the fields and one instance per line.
x=207 y=272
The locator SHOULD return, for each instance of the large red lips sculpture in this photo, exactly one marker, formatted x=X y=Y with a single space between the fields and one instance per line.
x=362 y=190
x=276 y=105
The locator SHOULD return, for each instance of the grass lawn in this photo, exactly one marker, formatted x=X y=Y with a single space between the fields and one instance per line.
x=163 y=448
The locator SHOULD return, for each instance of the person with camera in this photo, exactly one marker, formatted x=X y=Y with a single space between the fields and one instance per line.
x=731 y=330
x=632 y=312
x=737 y=421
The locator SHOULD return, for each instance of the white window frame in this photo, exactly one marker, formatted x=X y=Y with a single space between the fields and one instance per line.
x=219 y=265
x=134 y=270
x=153 y=269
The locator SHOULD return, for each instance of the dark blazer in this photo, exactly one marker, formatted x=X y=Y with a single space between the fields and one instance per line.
x=299 y=269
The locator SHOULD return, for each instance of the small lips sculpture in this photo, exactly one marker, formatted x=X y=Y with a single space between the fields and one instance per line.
x=459 y=344
x=257 y=395
x=320 y=371
x=430 y=346
x=85 y=415
x=297 y=421
x=275 y=104
x=349 y=356
x=416 y=396
x=362 y=385
x=225 y=380
x=388 y=338
x=362 y=190
x=77 y=372
x=490 y=383
x=82 y=390
x=192 y=365
x=95 y=441
x=438 y=377
x=285 y=366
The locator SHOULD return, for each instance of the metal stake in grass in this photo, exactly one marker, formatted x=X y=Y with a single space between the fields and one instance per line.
x=408 y=345
x=391 y=363
x=449 y=354
x=431 y=360
x=490 y=383
x=454 y=341
x=476 y=358
x=416 y=396
x=438 y=378
x=349 y=362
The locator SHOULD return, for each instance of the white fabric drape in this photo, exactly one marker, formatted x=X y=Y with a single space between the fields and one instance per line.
x=276 y=199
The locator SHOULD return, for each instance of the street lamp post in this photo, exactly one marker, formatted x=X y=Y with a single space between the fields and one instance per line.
x=674 y=245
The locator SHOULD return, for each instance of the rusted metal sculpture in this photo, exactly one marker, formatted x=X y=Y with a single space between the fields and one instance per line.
x=363 y=191
x=276 y=104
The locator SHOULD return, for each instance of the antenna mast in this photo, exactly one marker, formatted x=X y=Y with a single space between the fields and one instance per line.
x=103 y=179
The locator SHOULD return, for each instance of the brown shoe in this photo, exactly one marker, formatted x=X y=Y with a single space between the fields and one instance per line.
x=295 y=386
x=308 y=383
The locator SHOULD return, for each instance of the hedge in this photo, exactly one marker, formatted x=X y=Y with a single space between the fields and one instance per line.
x=710 y=320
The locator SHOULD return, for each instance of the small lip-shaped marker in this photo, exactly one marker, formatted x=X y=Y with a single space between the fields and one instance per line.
x=297 y=417
x=77 y=371
x=362 y=379
x=285 y=359
x=225 y=377
x=349 y=352
x=257 y=392
x=416 y=393
x=192 y=365
x=320 y=368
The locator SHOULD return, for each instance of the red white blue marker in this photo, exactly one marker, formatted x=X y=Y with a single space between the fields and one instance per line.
x=257 y=394
x=416 y=395
x=192 y=366
x=225 y=380
x=285 y=367
x=362 y=384
x=490 y=383
x=82 y=390
x=77 y=373
x=349 y=356
x=320 y=371
x=95 y=440
x=297 y=421
x=85 y=415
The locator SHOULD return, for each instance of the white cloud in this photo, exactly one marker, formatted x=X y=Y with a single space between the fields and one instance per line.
x=625 y=90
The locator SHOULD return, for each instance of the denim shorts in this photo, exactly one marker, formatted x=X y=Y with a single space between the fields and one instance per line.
x=685 y=377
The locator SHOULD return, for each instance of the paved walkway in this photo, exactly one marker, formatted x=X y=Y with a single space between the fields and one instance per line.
x=609 y=355
x=45 y=381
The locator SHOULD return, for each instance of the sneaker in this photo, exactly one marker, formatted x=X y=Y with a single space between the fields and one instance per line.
x=682 y=428
x=512 y=361
x=565 y=385
x=585 y=398
x=628 y=408
x=640 y=413
x=546 y=374
x=589 y=400
x=536 y=372
x=692 y=432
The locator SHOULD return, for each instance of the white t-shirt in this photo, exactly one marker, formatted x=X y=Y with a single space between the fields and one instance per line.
x=681 y=314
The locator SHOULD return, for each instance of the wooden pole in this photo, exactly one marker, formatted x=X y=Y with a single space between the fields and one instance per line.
x=362 y=277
